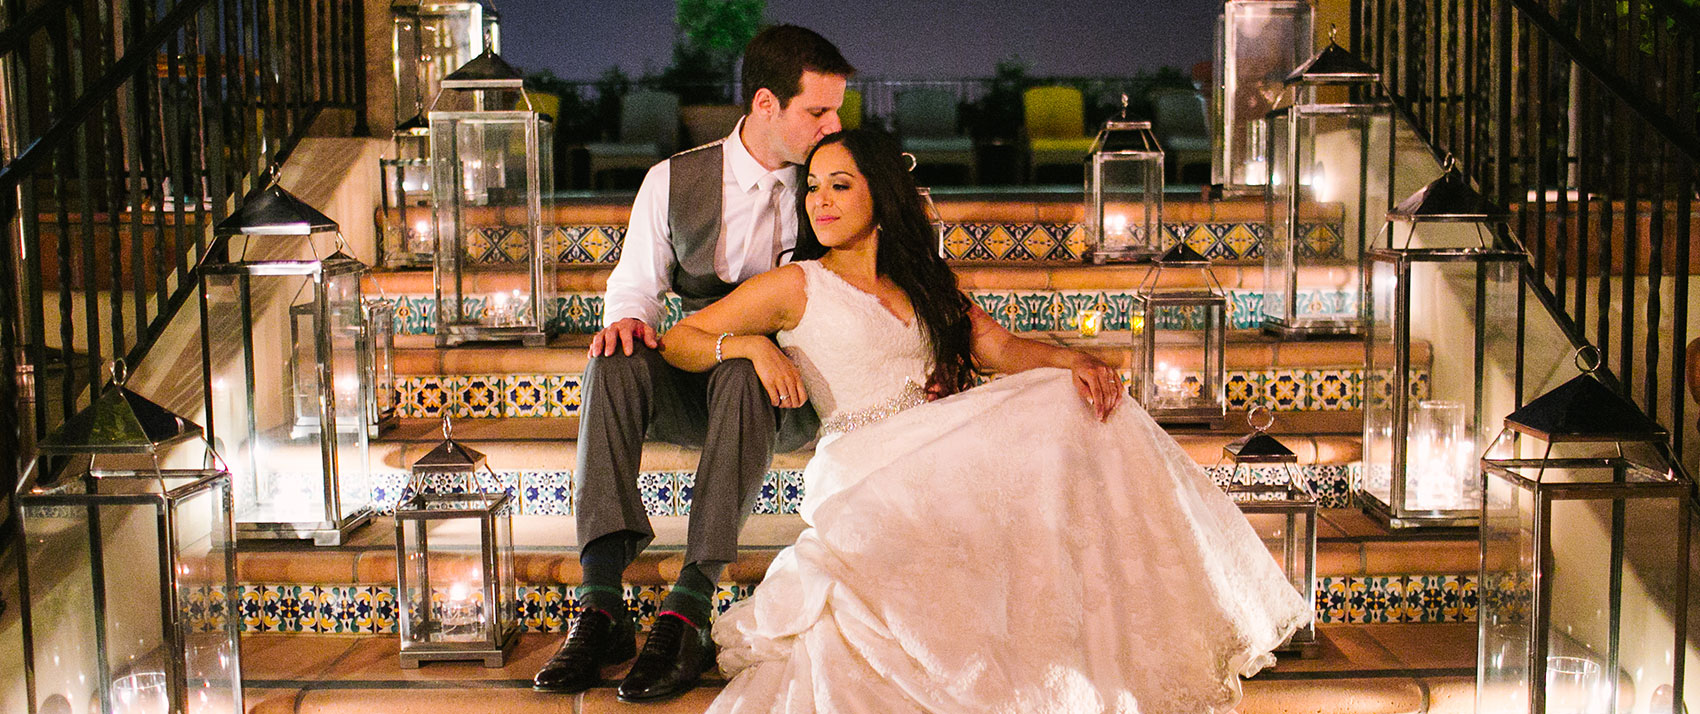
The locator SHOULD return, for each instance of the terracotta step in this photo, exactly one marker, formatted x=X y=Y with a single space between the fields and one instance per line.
x=593 y=279
x=1358 y=669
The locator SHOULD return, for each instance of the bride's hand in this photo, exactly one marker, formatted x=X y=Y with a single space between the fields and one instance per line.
x=1098 y=384
x=778 y=374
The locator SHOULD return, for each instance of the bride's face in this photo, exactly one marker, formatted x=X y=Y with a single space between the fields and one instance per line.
x=840 y=208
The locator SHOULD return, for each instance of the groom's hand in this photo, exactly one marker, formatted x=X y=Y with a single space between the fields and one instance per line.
x=623 y=335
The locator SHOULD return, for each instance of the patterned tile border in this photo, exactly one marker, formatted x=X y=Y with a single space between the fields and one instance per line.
x=668 y=493
x=560 y=395
x=372 y=609
x=1016 y=310
x=964 y=241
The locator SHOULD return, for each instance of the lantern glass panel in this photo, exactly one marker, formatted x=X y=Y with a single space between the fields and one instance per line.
x=494 y=278
x=269 y=405
x=1286 y=523
x=1258 y=43
x=379 y=346
x=121 y=614
x=1125 y=204
x=1326 y=188
x=1178 y=363
x=457 y=578
x=432 y=40
x=1580 y=573
x=1435 y=364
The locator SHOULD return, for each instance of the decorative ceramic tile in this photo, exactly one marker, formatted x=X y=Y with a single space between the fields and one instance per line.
x=415 y=314
x=1383 y=599
x=1244 y=389
x=790 y=491
x=684 y=483
x=478 y=396
x=1321 y=240
x=323 y=611
x=1333 y=390
x=525 y=395
x=565 y=394
x=656 y=490
x=645 y=603
x=1286 y=390
x=546 y=493
x=767 y=500
x=543 y=608
x=388 y=489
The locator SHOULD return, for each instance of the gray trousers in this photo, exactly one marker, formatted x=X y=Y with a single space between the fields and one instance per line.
x=725 y=412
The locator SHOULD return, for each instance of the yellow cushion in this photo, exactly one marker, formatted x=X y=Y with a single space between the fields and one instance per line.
x=1054 y=113
x=542 y=103
x=850 y=112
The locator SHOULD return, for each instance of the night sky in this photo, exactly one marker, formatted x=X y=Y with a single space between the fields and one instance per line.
x=892 y=39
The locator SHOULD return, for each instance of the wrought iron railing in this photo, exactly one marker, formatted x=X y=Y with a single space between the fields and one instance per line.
x=1580 y=115
x=129 y=128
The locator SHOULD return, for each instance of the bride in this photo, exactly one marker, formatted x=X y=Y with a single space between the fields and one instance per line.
x=1029 y=545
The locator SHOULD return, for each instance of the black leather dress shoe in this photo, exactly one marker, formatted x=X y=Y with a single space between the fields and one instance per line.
x=673 y=658
x=595 y=641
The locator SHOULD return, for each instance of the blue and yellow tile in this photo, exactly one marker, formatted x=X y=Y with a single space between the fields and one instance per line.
x=478 y=396
x=566 y=395
x=655 y=489
x=525 y=395
x=543 y=608
x=546 y=493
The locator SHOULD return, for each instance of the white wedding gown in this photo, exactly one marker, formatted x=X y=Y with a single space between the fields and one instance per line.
x=999 y=550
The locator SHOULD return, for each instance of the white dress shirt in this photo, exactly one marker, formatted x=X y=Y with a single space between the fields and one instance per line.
x=644 y=273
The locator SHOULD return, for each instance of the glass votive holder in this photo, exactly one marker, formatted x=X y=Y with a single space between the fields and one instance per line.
x=140 y=693
x=1573 y=685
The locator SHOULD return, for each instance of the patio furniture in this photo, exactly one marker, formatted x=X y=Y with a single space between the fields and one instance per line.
x=1183 y=127
x=1056 y=128
x=649 y=132
x=926 y=119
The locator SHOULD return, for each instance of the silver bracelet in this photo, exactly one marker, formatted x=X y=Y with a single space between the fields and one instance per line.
x=718 y=358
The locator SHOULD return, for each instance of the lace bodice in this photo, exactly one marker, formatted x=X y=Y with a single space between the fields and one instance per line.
x=859 y=362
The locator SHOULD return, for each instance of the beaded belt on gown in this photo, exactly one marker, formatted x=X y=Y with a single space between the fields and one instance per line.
x=910 y=395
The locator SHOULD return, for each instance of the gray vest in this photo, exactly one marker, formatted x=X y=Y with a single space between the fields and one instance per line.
x=693 y=224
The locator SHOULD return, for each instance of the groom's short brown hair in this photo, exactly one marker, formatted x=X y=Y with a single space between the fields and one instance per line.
x=777 y=57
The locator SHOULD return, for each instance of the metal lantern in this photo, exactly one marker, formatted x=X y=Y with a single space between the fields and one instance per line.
x=455 y=561
x=1258 y=43
x=291 y=352
x=432 y=38
x=491 y=180
x=1434 y=327
x=128 y=574
x=379 y=348
x=1328 y=171
x=1585 y=560
x=1179 y=342
x=1264 y=481
x=1124 y=192
x=408 y=241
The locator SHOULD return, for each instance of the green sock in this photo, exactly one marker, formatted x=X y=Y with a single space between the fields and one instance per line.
x=692 y=597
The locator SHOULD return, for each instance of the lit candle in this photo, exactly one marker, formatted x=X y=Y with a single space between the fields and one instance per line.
x=1256 y=173
x=497 y=314
x=1115 y=226
x=1089 y=321
x=420 y=240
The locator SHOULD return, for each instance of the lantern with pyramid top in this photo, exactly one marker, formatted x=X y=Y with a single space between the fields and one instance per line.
x=1179 y=322
x=128 y=566
x=1277 y=500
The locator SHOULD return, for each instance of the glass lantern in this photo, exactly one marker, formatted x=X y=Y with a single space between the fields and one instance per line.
x=128 y=566
x=379 y=348
x=1328 y=168
x=432 y=38
x=455 y=561
x=1435 y=334
x=1585 y=560
x=1124 y=192
x=491 y=181
x=1258 y=43
x=408 y=241
x=1264 y=481
x=1179 y=342
x=290 y=350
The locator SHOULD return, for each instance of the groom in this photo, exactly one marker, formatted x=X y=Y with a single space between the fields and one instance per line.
x=703 y=221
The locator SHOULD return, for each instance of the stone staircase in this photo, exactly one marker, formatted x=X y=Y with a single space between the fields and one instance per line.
x=1397 y=610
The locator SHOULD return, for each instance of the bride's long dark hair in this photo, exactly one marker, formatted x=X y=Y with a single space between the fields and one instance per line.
x=907 y=253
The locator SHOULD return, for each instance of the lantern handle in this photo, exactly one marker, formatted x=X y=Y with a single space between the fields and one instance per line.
x=913 y=162
x=120 y=372
x=1449 y=163
x=1124 y=105
x=1333 y=31
x=1588 y=359
x=1260 y=413
x=448 y=426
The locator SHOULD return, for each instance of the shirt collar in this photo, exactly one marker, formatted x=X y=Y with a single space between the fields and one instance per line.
x=746 y=171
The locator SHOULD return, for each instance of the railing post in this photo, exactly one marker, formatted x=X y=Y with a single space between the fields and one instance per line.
x=11 y=463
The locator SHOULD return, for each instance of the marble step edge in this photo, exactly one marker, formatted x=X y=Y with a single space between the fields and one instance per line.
x=1056 y=276
x=519 y=444
x=419 y=355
